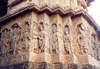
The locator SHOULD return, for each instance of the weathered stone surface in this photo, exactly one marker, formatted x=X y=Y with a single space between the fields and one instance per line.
x=48 y=35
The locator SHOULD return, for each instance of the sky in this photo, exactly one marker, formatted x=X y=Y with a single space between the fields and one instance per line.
x=94 y=11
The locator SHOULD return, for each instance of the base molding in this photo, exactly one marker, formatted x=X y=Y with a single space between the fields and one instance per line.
x=30 y=65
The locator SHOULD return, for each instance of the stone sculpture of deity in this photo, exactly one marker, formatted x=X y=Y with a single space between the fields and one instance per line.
x=81 y=39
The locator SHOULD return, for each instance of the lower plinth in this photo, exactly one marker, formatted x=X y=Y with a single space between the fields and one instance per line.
x=30 y=65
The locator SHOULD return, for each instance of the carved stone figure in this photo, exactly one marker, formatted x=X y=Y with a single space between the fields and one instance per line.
x=40 y=40
x=41 y=43
x=81 y=39
x=15 y=40
x=25 y=46
x=47 y=34
x=35 y=45
x=54 y=44
x=19 y=46
x=26 y=38
x=5 y=39
x=67 y=40
x=54 y=40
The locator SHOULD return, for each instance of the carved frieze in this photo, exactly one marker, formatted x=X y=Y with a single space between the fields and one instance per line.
x=29 y=40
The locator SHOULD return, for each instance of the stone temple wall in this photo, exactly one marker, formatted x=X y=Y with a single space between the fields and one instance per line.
x=42 y=41
x=49 y=34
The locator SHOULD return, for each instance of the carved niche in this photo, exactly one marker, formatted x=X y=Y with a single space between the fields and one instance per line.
x=41 y=38
x=81 y=39
x=15 y=40
x=54 y=40
x=5 y=41
x=26 y=36
x=67 y=40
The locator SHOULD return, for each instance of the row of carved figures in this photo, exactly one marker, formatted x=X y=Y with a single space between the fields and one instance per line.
x=19 y=40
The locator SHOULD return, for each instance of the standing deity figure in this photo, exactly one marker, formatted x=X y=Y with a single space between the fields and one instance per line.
x=41 y=39
x=16 y=33
x=81 y=39
x=5 y=40
x=67 y=40
x=54 y=39
x=26 y=36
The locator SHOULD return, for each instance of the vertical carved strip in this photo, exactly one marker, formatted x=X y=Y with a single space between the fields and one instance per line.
x=67 y=37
